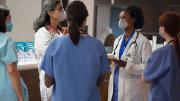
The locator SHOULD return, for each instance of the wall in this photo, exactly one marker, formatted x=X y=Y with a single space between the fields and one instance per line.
x=103 y=22
x=90 y=7
x=2 y=2
x=152 y=10
x=24 y=13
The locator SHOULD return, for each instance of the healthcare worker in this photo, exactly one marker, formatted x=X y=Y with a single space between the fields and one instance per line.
x=47 y=29
x=163 y=67
x=12 y=87
x=130 y=55
x=75 y=63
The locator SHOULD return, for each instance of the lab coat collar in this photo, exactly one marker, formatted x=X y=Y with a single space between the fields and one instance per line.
x=127 y=48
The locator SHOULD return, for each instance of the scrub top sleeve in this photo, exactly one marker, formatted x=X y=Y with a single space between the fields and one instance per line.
x=156 y=66
x=9 y=52
x=47 y=62
x=105 y=67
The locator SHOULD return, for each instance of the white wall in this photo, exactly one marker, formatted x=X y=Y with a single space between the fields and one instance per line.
x=2 y=2
x=103 y=22
x=24 y=13
x=90 y=7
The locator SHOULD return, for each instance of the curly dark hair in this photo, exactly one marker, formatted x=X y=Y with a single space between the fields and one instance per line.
x=135 y=11
x=4 y=12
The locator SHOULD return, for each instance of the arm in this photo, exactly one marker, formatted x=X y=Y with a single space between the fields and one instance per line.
x=100 y=80
x=137 y=69
x=48 y=80
x=42 y=40
x=143 y=79
x=15 y=79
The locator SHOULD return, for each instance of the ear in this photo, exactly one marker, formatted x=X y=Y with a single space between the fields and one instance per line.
x=49 y=13
x=85 y=19
x=162 y=29
x=133 y=20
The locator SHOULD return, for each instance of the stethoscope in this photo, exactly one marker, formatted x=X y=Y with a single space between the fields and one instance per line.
x=134 y=42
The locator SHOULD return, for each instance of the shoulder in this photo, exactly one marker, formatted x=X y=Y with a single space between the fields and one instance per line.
x=142 y=38
x=5 y=41
x=96 y=40
x=42 y=32
x=165 y=50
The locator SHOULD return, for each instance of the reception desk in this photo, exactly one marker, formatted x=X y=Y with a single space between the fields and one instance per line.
x=29 y=73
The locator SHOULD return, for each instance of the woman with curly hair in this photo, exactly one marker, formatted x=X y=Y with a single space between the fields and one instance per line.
x=130 y=55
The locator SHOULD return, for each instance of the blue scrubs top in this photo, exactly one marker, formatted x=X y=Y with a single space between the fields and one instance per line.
x=116 y=72
x=8 y=55
x=75 y=68
x=163 y=69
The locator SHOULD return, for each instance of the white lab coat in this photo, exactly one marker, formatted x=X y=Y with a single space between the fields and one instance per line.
x=130 y=87
x=42 y=40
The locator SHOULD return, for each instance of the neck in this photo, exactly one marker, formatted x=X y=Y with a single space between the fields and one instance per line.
x=169 y=38
x=82 y=28
x=128 y=31
x=83 y=35
x=54 y=24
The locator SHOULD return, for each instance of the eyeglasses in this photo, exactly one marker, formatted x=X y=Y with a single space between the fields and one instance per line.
x=60 y=9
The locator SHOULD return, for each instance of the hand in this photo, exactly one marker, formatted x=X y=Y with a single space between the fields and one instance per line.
x=65 y=30
x=120 y=62
x=110 y=61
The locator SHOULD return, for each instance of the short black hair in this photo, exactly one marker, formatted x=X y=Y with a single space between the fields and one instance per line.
x=135 y=11
x=4 y=12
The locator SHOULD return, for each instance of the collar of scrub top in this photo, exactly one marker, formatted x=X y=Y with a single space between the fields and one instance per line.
x=49 y=29
x=124 y=45
x=83 y=31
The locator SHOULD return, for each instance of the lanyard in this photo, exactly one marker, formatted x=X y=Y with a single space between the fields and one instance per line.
x=83 y=31
x=170 y=42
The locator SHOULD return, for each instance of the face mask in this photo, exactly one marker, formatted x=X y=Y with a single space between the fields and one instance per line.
x=160 y=33
x=9 y=26
x=123 y=24
x=62 y=16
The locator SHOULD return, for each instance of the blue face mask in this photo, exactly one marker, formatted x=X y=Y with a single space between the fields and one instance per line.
x=160 y=33
x=9 y=26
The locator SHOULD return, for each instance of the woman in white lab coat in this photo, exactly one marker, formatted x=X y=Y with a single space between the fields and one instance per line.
x=46 y=28
x=130 y=55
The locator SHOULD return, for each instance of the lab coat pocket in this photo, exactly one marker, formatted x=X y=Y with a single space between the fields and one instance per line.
x=133 y=88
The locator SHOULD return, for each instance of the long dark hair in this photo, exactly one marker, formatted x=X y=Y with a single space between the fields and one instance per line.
x=44 y=18
x=4 y=12
x=171 y=22
x=76 y=14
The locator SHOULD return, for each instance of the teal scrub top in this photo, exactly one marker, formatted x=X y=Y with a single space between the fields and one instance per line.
x=8 y=55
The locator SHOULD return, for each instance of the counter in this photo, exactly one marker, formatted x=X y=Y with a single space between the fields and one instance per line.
x=27 y=65
x=29 y=73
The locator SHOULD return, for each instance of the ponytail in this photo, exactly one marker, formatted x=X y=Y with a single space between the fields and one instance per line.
x=74 y=32
x=177 y=46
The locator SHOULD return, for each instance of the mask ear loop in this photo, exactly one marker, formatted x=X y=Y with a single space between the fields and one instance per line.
x=130 y=23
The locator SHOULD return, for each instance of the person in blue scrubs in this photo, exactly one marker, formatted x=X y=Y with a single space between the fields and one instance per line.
x=163 y=68
x=75 y=63
x=12 y=87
